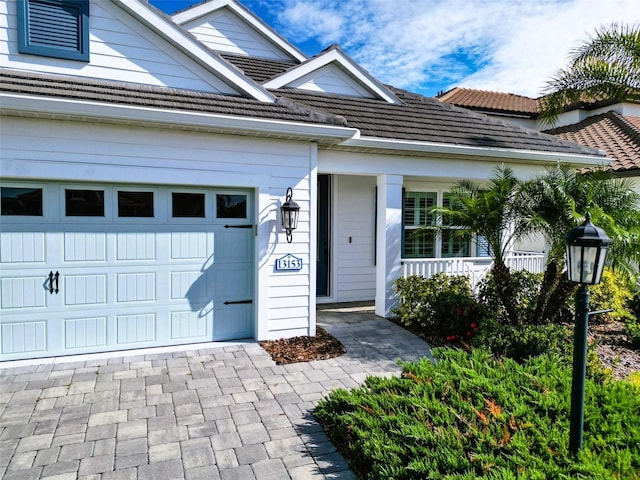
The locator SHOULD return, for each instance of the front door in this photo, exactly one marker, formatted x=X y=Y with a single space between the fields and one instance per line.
x=323 y=240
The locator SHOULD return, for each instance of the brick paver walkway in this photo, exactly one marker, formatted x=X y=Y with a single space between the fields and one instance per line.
x=215 y=413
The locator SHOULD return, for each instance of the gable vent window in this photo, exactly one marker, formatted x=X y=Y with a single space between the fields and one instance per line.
x=54 y=28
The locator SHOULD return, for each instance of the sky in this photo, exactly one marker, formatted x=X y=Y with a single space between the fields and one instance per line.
x=429 y=46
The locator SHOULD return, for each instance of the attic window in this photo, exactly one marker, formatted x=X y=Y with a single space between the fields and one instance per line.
x=54 y=28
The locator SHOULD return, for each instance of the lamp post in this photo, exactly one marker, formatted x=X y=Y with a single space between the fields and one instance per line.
x=587 y=247
x=289 y=213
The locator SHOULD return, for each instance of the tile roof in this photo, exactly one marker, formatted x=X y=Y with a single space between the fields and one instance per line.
x=418 y=118
x=154 y=96
x=428 y=120
x=491 y=101
x=258 y=69
x=617 y=135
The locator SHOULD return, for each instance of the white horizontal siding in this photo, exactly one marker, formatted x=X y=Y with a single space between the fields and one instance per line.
x=45 y=151
x=354 y=246
x=331 y=79
x=223 y=31
x=121 y=49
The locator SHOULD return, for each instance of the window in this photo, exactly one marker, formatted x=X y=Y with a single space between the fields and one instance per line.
x=84 y=203
x=231 y=206
x=453 y=245
x=54 y=28
x=21 y=201
x=135 y=204
x=419 y=243
x=187 y=205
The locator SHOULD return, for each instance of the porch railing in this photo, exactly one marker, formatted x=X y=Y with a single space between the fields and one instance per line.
x=473 y=267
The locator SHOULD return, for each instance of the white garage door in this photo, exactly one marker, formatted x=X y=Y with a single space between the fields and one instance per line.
x=91 y=268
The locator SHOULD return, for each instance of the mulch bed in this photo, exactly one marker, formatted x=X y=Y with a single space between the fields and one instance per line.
x=304 y=348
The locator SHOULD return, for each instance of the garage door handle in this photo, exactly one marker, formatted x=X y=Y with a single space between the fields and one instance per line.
x=54 y=278
x=238 y=302
x=239 y=226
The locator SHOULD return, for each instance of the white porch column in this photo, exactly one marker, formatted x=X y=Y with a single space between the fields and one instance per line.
x=388 y=241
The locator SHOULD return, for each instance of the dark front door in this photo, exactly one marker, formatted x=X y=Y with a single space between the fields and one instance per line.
x=324 y=217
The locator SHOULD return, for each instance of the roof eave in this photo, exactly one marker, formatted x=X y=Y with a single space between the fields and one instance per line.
x=519 y=155
x=36 y=106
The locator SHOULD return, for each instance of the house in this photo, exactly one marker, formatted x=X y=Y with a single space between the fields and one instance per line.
x=611 y=126
x=145 y=160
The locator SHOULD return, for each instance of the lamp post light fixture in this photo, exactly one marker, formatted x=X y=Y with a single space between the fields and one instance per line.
x=289 y=214
x=587 y=247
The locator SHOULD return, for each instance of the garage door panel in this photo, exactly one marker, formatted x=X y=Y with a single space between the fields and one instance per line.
x=85 y=289
x=232 y=322
x=85 y=247
x=191 y=245
x=233 y=245
x=191 y=325
x=19 y=292
x=232 y=282
x=22 y=247
x=82 y=333
x=136 y=287
x=135 y=246
x=140 y=328
x=24 y=337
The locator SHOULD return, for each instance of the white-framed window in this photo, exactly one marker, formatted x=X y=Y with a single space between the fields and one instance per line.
x=420 y=243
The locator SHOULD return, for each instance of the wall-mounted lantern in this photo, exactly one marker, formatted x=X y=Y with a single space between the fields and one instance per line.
x=289 y=213
x=587 y=247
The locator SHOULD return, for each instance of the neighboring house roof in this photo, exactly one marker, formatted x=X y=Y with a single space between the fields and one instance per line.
x=491 y=101
x=423 y=119
x=617 y=135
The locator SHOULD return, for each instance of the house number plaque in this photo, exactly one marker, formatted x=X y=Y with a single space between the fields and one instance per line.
x=288 y=263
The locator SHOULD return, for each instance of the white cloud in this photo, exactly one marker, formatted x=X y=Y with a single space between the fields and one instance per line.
x=502 y=45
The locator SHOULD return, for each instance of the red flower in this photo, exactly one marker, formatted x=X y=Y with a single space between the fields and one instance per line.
x=473 y=325
x=468 y=334
x=458 y=311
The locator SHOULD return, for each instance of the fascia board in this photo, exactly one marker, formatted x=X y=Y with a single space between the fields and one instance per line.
x=194 y=49
x=207 y=7
x=129 y=114
x=531 y=156
x=325 y=59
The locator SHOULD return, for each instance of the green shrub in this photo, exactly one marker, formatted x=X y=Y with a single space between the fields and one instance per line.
x=613 y=291
x=471 y=416
x=442 y=305
x=632 y=329
x=519 y=342
x=526 y=287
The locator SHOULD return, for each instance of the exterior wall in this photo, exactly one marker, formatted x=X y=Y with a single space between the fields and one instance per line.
x=353 y=261
x=223 y=31
x=330 y=79
x=120 y=48
x=46 y=150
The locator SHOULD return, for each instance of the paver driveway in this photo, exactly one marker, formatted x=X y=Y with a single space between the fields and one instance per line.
x=224 y=412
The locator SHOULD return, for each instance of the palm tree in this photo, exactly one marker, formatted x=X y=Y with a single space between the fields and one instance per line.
x=558 y=201
x=496 y=213
x=604 y=67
